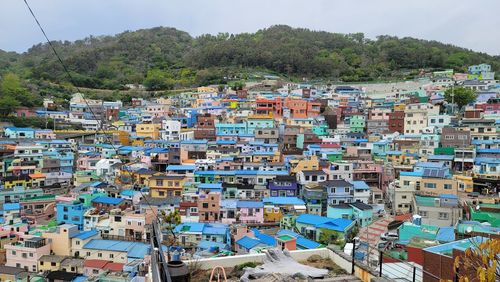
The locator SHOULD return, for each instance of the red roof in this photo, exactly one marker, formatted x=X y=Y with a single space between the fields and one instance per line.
x=95 y=263
x=403 y=217
x=335 y=145
x=114 y=266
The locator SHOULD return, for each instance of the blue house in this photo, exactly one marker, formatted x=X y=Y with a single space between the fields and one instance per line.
x=339 y=191
x=19 y=132
x=357 y=211
x=70 y=213
x=312 y=226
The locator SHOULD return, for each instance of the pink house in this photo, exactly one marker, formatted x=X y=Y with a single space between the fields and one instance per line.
x=88 y=161
x=26 y=253
x=250 y=211
x=45 y=134
x=23 y=112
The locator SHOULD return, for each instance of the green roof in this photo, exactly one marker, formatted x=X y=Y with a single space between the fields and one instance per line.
x=38 y=198
x=483 y=216
x=285 y=238
x=425 y=201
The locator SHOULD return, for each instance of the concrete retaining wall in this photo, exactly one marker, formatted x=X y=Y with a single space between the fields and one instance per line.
x=342 y=260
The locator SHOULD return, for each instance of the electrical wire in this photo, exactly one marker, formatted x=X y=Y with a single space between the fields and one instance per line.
x=68 y=73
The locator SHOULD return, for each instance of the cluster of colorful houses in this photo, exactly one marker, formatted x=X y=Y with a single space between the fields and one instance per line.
x=282 y=165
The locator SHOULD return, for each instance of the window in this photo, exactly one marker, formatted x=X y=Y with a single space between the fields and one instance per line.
x=77 y=242
x=443 y=215
x=13 y=253
x=347 y=189
x=430 y=185
x=205 y=205
x=95 y=271
x=406 y=183
x=111 y=256
x=88 y=254
x=403 y=197
x=99 y=255
x=447 y=186
x=52 y=264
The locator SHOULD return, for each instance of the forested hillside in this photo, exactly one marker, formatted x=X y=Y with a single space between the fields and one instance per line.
x=166 y=58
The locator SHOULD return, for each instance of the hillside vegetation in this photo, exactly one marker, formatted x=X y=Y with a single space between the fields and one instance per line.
x=166 y=58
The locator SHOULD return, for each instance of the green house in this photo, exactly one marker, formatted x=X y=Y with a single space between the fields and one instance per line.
x=320 y=130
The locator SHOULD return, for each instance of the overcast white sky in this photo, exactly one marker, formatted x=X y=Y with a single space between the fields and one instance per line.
x=470 y=24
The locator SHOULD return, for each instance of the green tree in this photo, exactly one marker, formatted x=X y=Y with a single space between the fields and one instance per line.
x=171 y=220
x=7 y=105
x=156 y=80
x=329 y=237
x=460 y=96
x=11 y=85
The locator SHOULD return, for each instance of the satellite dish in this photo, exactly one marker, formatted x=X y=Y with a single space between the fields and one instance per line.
x=469 y=229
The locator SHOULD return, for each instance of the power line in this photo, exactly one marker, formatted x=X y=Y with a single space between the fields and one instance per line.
x=68 y=73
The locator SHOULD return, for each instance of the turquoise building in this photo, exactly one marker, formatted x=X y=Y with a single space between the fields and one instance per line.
x=357 y=123
x=359 y=212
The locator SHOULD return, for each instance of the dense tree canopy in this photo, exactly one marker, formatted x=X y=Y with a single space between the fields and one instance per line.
x=460 y=96
x=165 y=58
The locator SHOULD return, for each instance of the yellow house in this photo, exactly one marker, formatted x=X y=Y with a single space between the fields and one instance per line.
x=464 y=183
x=148 y=130
x=207 y=89
x=163 y=186
x=304 y=164
x=60 y=239
x=399 y=107
x=272 y=214
x=438 y=186
x=50 y=263
x=10 y=273
x=271 y=157
x=10 y=182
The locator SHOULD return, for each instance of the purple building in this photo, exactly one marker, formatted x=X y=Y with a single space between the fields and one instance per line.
x=283 y=186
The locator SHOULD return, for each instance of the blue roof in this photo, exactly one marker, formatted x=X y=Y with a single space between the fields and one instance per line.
x=190 y=227
x=283 y=201
x=210 y=186
x=249 y=204
x=411 y=173
x=264 y=238
x=492 y=151
x=448 y=196
x=215 y=230
x=304 y=243
x=107 y=200
x=430 y=164
x=487 y=160
x=133 y=249
x=337 y=224
x=225 y=142
x=194 y=141
x=359 y=184
x=181 y=167
x=11 y=206
x=446 y=234
x=86 y=234
x=312 y=219
x=394 y=153
x=13 y=128
x=248 y=242
x=128 y=193
x=205 y=245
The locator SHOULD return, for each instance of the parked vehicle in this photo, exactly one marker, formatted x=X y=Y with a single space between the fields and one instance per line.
x=389 y=236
